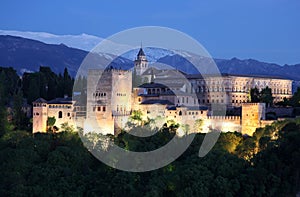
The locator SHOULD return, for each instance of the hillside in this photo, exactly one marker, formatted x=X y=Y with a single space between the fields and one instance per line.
x=26 y=55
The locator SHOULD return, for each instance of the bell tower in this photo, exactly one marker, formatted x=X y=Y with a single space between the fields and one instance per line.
x=141 y=62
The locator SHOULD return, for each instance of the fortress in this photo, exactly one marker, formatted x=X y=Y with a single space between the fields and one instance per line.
x=113 y=95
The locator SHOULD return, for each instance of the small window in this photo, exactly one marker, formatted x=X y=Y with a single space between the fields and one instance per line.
x=60 y=114
x=99 y=109
x=104 y=108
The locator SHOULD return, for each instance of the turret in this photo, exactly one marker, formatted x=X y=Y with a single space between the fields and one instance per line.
x=39 y=121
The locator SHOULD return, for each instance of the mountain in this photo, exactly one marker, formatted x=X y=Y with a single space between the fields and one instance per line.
x=83 y=41
x=237 y=66
x=26 y=55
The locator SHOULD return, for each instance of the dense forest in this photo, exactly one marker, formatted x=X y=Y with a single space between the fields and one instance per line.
x=266 y=164
x=49 y=164
x=19 y=91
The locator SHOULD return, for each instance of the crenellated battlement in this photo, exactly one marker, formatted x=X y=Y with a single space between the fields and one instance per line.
x=223 y=117
x=251 y=104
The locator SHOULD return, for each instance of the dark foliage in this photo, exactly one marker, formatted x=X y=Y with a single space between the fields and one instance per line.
x=59 y=165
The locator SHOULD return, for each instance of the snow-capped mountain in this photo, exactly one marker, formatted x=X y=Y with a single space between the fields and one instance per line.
x=153 y=54
x=83 y=41
x=26 y=55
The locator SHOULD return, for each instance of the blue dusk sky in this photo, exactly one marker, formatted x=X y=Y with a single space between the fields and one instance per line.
x=266 y=30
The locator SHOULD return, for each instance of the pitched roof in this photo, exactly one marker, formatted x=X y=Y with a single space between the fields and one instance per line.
x=141 y=52
x=157 y=101
x=40 y=100
x=153 y=85
x=67 y=100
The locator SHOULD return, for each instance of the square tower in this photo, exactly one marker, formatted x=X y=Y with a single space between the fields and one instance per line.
x=108 y=97
x=252 y=114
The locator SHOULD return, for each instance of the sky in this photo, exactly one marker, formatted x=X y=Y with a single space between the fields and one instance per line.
x=266 y=30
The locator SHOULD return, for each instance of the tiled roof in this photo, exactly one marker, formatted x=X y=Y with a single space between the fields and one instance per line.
x=40 y=100
x=67 y=100
x=157 y=101
x=141 y=52
x=152 y=85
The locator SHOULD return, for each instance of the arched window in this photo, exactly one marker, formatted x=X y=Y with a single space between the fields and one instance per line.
x=60 y=114
x=180 y=113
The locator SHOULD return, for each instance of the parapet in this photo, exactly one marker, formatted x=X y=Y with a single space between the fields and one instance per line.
x=223 y=117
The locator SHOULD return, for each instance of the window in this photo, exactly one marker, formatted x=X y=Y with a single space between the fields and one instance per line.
x=104 y=108
x=68 y=114
x=99 y=109
x=60 y=114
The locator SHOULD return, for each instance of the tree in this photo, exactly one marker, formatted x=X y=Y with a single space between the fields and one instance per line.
x=19 y=116
x=266 y=96
x=66 y=127
x=136 y=116
x=295 y=100
x=254 y=95
x=50 y=124
x=198 y=125
x=263 y=96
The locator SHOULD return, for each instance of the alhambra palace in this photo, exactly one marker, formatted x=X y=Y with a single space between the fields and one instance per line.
x=171 y=95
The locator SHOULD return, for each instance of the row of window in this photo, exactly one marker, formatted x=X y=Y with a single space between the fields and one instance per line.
x=242 y=83
x=60 y=114
x=99 y=94
x=240 y=101
x=99 y=108
x=121 y=94
x=158 y=90
x=39 y=105
x=121 y=108
x=37 y=114
x=189 y=113
x=60 y=106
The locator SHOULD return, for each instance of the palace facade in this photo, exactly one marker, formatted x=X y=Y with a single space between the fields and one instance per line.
x=114 y=94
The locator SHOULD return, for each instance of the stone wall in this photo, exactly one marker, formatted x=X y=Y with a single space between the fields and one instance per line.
x=222 y=123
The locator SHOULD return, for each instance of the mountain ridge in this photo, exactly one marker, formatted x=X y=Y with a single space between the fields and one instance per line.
x=26 y=55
